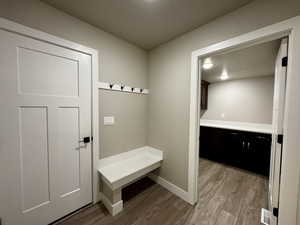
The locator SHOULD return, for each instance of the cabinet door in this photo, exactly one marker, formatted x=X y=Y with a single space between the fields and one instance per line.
x=249 y=158
x=256 y=152
x=205 y=143
x=219 y=153
x=262 y=151
x=212 y=144
x=233 y=147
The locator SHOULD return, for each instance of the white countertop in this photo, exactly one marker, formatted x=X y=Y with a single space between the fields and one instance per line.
x=242 y=126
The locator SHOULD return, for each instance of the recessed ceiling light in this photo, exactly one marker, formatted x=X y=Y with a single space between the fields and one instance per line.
x=224 y=75
x=207 y=64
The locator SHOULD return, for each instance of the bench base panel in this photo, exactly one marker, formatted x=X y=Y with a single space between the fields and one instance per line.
x=113 y=208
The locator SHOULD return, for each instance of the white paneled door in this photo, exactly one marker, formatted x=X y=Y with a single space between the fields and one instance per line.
x=278 y=128
x=45 y=96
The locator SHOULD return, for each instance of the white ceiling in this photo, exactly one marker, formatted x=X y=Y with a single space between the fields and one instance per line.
x=147 y=23
x=255 y=61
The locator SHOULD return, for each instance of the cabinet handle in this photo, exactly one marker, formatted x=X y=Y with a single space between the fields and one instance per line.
x=243 y=144
x=248 y=145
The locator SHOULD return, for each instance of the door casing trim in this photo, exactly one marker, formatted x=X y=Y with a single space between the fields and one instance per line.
x=290 y=165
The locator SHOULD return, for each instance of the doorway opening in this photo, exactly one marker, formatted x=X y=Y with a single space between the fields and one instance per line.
x=241 y=111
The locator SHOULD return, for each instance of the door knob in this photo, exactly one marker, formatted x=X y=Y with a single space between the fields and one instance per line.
x=85 y=140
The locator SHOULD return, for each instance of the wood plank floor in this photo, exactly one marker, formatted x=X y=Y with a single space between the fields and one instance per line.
x=227 y=196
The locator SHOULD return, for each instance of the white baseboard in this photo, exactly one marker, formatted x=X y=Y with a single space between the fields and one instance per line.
x=113 y=209
x=170 y=187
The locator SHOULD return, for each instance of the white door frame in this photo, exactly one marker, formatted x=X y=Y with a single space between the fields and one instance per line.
x=13 y=27
x=289 y=189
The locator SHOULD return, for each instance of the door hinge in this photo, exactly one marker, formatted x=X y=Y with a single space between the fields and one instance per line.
x=275 y=212
x=280 y=138
x=284 y=61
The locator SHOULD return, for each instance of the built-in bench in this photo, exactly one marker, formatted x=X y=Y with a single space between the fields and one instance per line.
x=120 y=170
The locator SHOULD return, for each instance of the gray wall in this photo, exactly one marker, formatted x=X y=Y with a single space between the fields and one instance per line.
x=119 y=62
x=244 y=100
x=129 y=131
x=168 y=68
x=169 y=78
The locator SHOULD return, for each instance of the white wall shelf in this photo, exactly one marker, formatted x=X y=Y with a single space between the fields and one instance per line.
x=122 y=88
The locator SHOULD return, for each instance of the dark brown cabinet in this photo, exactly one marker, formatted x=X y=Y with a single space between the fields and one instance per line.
x=245 y=150
x=204 y=94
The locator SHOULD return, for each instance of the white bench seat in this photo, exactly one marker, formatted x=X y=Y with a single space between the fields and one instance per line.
x=125 y=171
x=120 y=170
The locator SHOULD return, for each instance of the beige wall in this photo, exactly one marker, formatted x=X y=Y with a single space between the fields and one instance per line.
x=119 y=62
x=168 y=68
x=169 y=78
x=129 y=131
x=244 y=100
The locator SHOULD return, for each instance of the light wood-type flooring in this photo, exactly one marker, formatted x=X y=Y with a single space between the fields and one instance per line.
x=227 y=196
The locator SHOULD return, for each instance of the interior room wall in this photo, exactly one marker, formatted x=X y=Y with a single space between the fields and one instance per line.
x=167 y=110
x=169 y=79
x=129 y=131
x=119 y=62
x=244 y=100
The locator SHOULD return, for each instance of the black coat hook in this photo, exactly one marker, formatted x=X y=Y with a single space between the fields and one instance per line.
x=141 y=90
x=132 y=89
x=122 y=87
x=111 y=86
